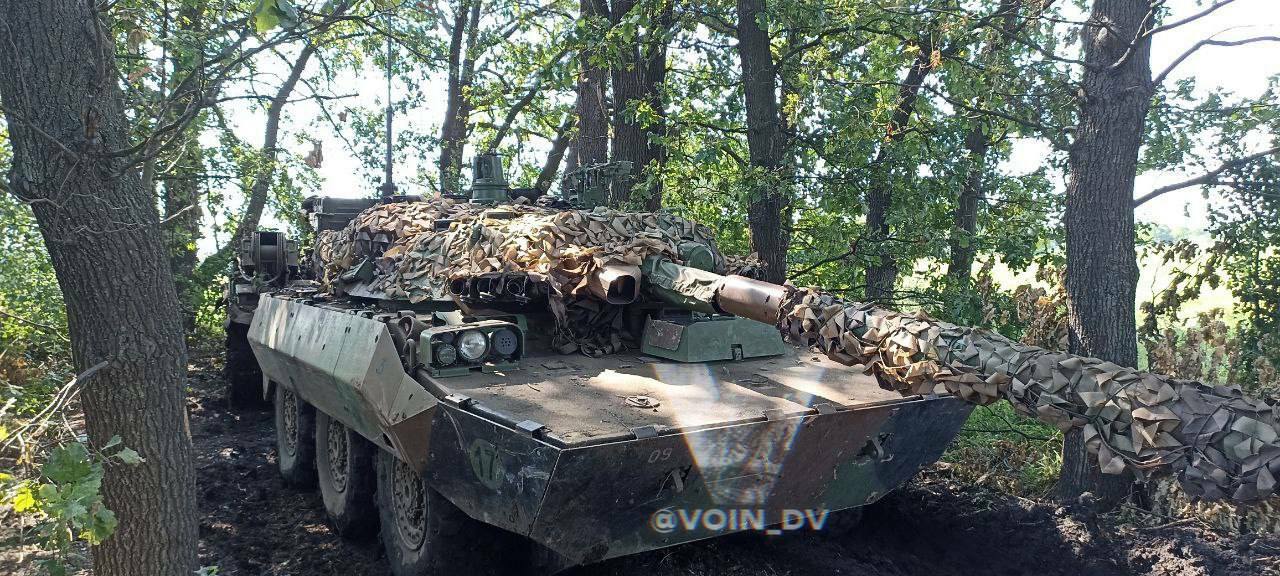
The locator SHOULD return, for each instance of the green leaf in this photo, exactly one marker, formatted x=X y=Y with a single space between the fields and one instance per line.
x=49 y=493
x=102 y=527
x=265 y=19
x=71 y=510
x=54 y=566
x=287 y=14
x=88 y=488
x=269 y=14
x=67 y=464
x=112 y=443
x=129 y=456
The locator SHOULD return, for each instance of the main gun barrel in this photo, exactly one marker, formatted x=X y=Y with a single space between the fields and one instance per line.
x=1220 y=443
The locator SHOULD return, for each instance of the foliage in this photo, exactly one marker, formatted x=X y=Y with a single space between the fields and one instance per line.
x=1201 y=132
x=33 y=343
x=211 y=316
x=1012 y=453
x=268 y=14
x=63 y=505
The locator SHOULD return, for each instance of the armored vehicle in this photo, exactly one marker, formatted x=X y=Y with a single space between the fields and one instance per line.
x=508 y=380
x=582 y=382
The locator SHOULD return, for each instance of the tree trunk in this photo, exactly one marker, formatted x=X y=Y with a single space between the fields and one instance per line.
x=570 y=157
x=591 y=145
x=654 y=60
x=1102 y=269
x=965 y=219
x=552 y=166
x=769 y=203
x=514 y=112
x=977 y=142
x=453 y=133
x=627 y=75
x=638 y=77
x=181 y=198
x=882 y=267
x=262 y=181
x=65 y=115
x=182 y=217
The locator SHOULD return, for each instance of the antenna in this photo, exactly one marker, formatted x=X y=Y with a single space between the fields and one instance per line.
x=388 y=187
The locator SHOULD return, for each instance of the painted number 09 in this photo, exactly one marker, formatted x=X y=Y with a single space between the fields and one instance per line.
x=659 y=455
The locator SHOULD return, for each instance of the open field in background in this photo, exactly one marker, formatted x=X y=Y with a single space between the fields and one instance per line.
x=1154 y=276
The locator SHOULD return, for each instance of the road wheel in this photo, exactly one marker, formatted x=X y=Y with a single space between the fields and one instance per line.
x=426 y=535
x=345 y=473
x=240 y=370
x=295 y=433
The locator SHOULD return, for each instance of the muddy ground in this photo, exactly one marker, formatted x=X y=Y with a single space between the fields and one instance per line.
x=253 y=525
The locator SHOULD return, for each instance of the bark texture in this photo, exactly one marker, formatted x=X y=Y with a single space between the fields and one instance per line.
x=1102 y=268
x=769 y=203
x=456 y=126
x=638 y=78
x=591 y=144
x=66 y=115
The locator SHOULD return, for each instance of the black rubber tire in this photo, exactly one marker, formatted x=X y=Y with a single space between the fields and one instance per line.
x=240 y=370
x=297 y=458
x=452 y=543
x=348 y=494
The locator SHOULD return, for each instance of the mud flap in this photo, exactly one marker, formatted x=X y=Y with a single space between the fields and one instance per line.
x=347 y=366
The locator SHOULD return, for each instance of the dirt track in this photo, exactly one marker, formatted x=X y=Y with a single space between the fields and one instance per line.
x=254 y=525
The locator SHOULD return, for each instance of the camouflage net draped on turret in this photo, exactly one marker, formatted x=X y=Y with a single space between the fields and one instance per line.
x=1220 y=443
x=419 y=248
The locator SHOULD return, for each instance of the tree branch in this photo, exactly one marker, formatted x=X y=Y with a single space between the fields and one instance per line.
x=1189 y=19
x=1133 y=44
x=853 y=250
x=1209 y=42
x=1209 y=177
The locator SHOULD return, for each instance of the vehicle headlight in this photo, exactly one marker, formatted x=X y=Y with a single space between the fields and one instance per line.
x=445 y=354
x=472 y=345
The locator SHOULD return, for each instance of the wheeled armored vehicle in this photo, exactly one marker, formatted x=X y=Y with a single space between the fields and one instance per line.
x=644 y=402
x=501 y=382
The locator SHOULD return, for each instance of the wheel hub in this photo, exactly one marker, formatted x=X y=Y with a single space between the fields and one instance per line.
x=410 y=505
x=290 y=402
x=337 y=448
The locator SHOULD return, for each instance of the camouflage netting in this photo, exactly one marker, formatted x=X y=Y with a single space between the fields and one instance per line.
x=559 y=249
x=1220 y=443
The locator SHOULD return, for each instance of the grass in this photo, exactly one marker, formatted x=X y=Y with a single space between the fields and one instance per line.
x=1006 y=451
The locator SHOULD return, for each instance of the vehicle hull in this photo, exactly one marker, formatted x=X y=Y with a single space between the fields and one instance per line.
x=725 y=447
x=601 y=501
